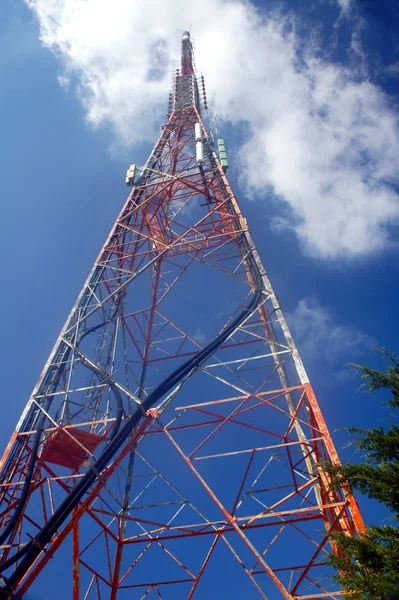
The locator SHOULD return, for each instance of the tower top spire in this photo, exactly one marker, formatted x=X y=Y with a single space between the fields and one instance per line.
x=186 y=54
x=185 y=87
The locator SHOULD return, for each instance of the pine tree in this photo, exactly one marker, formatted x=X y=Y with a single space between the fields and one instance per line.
x=369 y=565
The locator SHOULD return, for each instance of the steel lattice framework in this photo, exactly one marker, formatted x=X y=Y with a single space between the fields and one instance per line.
x=152 y=463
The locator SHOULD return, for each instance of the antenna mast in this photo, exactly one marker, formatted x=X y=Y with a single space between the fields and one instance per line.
x=172 y=444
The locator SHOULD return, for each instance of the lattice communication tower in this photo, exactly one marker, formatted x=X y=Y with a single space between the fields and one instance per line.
x=172 y=444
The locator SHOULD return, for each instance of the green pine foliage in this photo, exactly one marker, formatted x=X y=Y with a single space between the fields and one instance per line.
x=369 y=566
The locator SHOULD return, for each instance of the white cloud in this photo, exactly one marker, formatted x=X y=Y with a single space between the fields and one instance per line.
x=393 y=69
x=199 y=336
x=321 y=338
x=345 y=4
x=323 y=140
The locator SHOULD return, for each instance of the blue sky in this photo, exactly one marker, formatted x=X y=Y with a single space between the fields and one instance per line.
x=66 y=146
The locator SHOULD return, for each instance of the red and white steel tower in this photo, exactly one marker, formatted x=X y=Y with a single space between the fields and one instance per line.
x=154 y=460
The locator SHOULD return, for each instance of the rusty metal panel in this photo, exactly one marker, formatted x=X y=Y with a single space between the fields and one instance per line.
x=64 y=451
